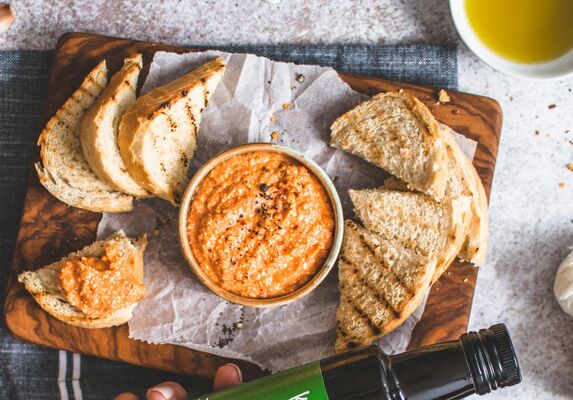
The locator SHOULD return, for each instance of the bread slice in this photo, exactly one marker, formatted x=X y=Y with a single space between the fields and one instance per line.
x=100 y=125
x=474 y=248
x=463 y=180
x=381 y=284
x=158 y=134
x=64 y=170
x=43 y=284
x=398 y=133
x=416 y=221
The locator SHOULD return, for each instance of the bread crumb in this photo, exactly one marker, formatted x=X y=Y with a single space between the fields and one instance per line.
x=286 y=106
x=570 y=167
x=156 y=232
x=537 y=132
x=272 y=118
x=551 y=106
x=465 y=280
x=562 y=185
x=443 y=96
x=274 y=135
x=510 y=98
x=300 y=78
x=455 y=111
x=400 y=90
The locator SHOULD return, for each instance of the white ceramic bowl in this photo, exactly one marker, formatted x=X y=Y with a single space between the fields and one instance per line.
x=558 y=68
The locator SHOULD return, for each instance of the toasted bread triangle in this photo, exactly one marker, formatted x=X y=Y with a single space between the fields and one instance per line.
x=398 y=133
x=381 y=283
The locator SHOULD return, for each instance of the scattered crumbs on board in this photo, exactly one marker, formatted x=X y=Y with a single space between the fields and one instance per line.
x=443 y=96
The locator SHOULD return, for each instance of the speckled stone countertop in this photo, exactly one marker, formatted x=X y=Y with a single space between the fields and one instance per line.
x=531 y=214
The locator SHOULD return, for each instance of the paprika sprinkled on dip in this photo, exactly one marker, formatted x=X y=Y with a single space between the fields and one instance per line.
x=260 y=224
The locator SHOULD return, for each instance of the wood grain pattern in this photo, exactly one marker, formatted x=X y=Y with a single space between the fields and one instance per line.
x=50 y=229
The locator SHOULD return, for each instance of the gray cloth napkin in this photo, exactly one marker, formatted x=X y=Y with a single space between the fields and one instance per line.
x=30 y=372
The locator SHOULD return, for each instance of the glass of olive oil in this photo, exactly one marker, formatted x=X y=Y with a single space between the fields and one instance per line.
x=528 y=38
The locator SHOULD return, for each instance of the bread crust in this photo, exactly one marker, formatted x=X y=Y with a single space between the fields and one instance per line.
x=474 y=247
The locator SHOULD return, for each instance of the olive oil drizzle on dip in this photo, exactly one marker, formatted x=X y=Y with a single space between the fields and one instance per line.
x=260 y=225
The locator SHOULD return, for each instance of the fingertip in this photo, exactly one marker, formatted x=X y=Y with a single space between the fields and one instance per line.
x=167 y=391
x=226 y=376
x=126 y=396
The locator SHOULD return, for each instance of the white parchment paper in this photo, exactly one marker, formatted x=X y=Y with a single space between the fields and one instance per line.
x=255 y=98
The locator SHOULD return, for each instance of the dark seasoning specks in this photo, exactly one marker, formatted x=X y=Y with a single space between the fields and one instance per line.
x=229 y=329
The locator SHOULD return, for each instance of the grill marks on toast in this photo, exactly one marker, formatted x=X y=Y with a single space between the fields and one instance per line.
x=158 y=134
x=380 y=284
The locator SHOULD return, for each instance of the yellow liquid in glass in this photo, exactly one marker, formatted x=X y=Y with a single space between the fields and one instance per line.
x=525 y=31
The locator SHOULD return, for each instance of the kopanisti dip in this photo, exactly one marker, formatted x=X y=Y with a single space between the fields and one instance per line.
x=260 y=224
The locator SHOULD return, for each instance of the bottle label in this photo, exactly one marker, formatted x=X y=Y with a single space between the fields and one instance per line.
x=300 y=383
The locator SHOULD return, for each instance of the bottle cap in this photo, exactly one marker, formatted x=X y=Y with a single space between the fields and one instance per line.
x=491 y=358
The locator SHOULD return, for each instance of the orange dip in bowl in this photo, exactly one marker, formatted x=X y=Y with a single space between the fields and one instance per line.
x=260 y=225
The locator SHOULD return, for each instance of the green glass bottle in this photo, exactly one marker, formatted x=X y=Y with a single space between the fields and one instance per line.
x=476 y=363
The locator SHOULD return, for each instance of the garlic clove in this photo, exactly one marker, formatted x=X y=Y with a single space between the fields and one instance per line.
x=6 y=17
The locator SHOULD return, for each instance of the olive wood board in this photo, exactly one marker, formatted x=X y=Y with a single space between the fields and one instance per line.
x=49 y=229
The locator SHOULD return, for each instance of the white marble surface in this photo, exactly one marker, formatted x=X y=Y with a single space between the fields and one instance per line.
x=531 y=215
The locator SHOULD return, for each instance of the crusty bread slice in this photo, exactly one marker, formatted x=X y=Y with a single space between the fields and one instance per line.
x=100 y=125
x=463 y=180
x=381 y=283
x=43 y=284
x=398 y=133
x=474 y=248
x=416 y=221
x=158 y=134
x=64 y=170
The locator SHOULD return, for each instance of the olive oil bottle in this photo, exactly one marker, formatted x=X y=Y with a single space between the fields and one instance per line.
x=524 y=31
x=478 y=362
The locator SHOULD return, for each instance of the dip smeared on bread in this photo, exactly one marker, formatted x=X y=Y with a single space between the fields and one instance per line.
x=82 y=289
x=260 y=225
x=99 y=286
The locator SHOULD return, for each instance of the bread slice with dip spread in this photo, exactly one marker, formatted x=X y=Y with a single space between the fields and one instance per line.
x=100 y=125
x=95 y=287
x=396 y=132
x=158 y=134
x=416 y=221
x=64 y=170
x=381 y=283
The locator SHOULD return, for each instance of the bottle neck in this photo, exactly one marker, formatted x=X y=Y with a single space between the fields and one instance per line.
x=434 y=372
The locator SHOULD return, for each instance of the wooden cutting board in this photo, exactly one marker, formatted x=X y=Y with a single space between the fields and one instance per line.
x=49 y=229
